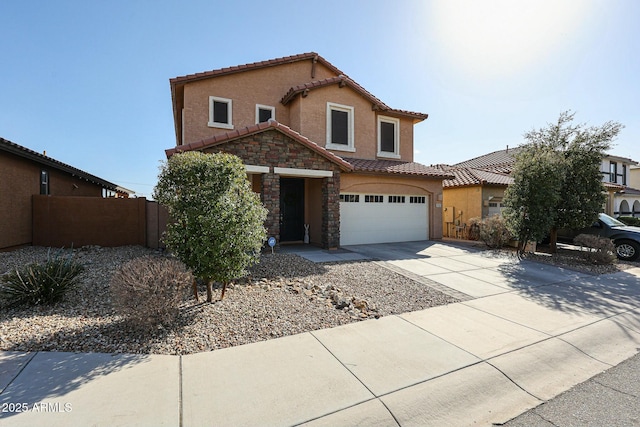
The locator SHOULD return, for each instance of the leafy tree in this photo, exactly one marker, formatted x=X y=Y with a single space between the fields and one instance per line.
x=217 y=226
x=557 y=179
x=532 y=198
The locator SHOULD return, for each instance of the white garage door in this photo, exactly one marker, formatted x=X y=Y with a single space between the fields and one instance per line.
x=366 y=218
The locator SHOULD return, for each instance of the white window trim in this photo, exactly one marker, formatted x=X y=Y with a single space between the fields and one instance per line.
x=229 y=103
x=309 y=173
x=265 y=107
x=350 y=133
x=396 y=145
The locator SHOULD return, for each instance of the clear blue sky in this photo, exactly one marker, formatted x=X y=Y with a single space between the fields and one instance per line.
x=88 y=81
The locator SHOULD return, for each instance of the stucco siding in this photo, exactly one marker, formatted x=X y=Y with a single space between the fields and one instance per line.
x=264 y=86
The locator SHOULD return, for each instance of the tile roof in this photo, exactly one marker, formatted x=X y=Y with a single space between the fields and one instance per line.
x=630 y=191
x=497 y=159
x=254 y=66
x=259 y=128
x=464 y=176
x=347 y=164
x=396 y=167
x=343 y=80
x=19 y=150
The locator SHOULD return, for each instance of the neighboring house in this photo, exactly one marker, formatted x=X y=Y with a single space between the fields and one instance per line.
x=617 y=175
x=476 y=191
x=23 y=173
x=321 y=150
x=479 y=184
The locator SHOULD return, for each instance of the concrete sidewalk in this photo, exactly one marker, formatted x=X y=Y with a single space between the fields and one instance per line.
x=525 y=334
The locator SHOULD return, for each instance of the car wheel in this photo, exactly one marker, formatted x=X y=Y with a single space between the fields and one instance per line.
x=627 y=250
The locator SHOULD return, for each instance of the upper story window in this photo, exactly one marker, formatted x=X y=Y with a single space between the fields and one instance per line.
x=340 y=127
x=613 y=171
x=44 y=182
x=220 y=112
x=264 y=113
x=388 y=137
x=618 y=174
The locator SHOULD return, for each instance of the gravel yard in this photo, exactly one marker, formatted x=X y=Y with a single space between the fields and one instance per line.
x=284 y=295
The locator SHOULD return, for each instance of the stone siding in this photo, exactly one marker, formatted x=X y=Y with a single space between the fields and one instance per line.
x=274 y=149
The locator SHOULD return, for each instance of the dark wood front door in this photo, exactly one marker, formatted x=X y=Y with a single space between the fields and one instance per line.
x=291 y=209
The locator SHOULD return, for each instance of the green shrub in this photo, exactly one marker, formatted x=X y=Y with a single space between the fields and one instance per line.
x=629 y=220
x=494 y=232
x=44 y=283
x=149 y=290
x=601 y=250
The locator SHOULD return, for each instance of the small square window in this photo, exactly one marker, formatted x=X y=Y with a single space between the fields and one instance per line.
x=373 y=199
x=396 y=199
x=350 y=198
x=264 y=113
x=220 y=113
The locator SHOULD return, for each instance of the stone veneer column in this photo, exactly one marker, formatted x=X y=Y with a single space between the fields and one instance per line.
x=270 y=197
x=331 y=211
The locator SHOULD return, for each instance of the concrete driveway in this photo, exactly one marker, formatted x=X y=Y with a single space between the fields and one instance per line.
x=468 y=272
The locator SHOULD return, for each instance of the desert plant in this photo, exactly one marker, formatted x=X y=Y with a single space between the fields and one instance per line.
x=600 y=250
x=41 y=283
x=473 y=232
x=494 y=232
x=149 y=290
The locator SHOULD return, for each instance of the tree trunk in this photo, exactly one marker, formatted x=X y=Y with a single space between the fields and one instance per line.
x=553 y=240
x=224 y=288
x=195 y=289
x=209 y=290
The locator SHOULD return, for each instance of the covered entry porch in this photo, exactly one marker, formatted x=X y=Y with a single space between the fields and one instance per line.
x=300 y=202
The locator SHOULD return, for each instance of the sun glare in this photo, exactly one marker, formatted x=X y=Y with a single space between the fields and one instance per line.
x=496 y=38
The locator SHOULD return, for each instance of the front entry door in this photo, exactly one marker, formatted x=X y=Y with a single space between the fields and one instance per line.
x=291 y=209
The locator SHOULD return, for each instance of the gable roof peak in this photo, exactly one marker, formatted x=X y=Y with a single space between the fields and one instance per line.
x=272 y=124
x=255 y=65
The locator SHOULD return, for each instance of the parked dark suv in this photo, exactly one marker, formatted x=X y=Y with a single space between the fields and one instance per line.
x=625 y=237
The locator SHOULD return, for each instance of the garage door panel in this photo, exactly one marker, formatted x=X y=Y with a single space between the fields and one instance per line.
x=362 y=223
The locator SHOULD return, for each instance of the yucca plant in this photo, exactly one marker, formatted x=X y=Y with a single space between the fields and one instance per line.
x=44 y=283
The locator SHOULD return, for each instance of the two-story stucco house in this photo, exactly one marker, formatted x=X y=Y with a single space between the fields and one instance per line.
x=321 y=150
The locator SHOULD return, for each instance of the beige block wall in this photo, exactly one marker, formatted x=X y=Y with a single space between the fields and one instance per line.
x=379 y=184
